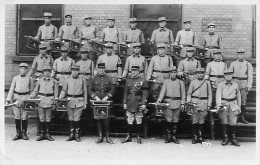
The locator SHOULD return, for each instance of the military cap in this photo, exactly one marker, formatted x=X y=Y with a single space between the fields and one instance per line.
x=88 y=16
x=101 y=65
x=217 y=52
x=68 y=15
x=111 y=18
x=136 y=45
x=47 y=14
x=190 y=49
x=211 y=24
x=64 y=49
x=84 y=51
x=75 y=67
x=23 y=65
x=161 y=45
x=187 y=20
x=161 y=19
x=109 y=45
x=240 y=51
x=135 y=67
x=132 y=19
x=42 y=46
x=200 y=70
x=228 y=71
x=174 y=69
x=46 y=67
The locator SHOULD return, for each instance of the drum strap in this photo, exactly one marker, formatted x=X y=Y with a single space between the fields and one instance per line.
x=198 y=87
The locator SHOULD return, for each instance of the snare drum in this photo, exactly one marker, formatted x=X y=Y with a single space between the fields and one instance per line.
x=75 y=46
x=61 y=105
x=98 y=46
x=29 y=105
x=33 y=43
x=101 y=110
x=189 y=108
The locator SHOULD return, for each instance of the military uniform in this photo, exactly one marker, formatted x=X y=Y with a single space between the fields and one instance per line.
x=187 y=68
x=113 y=65
x=199 y=92
x=39 y=62
x=163 y=35
x=159 y=69
x=132 y=36
x=228 y=95
x=186 y=38
x=47 y=89
x=75 y=89
x=135 y=95
x=172 y=92
x=212 y=42
x=243 y=75
x=102 y=87
x=47 y=32
x=19 y=91
x=138 y=60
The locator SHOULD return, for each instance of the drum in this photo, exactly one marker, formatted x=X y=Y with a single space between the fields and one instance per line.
x=33 y=43
x=200 y=52
x=98 y=46
x=189 y=108
x=56 y=46
x=74 y=46
x=176 y=49
x=122 y=49
x=153 y=48
x=101 y=110
x=29 y=104
x=159 y=108
x=61 y=105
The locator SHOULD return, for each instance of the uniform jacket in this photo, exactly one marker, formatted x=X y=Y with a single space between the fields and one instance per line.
x=69 y=32
x=46 y=32
x=190 y=67
x=212 y=42
x=111 y=35
x=215 y=68
x=86 y=68
x=38 y=63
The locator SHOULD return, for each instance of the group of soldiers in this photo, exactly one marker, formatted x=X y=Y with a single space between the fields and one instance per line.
x=216 y=87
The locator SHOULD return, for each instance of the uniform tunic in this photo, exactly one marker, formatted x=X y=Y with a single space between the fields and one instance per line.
x=86 y=69
x=133 y=36
x=38 y=63
x=215 y=72
x=85 y=34
x=47 y=32
x=138 y=60
x=68 y=32
x=111 y=35
x=213 y=42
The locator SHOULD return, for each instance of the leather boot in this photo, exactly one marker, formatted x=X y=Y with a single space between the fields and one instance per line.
x=194 y=133
x=48 y=136
x=41 y=127
x=200 y=135
x=242 y=115
x=225 y=136
x=106 y=125
x=169 y=133
x=77 y=131
x=24 y=129
x=129 y=135
x=100 y=136
x=71 y=136
x=139 y=129
x=18 y=129
x=233 y=136
x=174 y=130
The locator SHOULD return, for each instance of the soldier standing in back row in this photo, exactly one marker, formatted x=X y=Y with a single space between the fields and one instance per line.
x=163 y=35
x=135 y=98
x=243 y=75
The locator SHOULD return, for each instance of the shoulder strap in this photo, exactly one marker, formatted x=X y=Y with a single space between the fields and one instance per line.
x=198 y=87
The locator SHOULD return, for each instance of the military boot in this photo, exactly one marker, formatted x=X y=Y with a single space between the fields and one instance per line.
x=100 y=136
x=200 y=134
x=106 y=125
x=139 y=130
x=225 y=136
x=24 y=129
x=71 y=136
x=194 y=133
x=242 y=115
x=174 y=130
x=41 y=130
x=168 y=133
x=233 y=136
x=129 y=135
x=47 y=129
x=18 y=129
x=77 y=131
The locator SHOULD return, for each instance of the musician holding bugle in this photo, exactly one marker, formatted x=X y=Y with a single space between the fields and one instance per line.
x=173 y=92
x=200 y=92
x=19 y=91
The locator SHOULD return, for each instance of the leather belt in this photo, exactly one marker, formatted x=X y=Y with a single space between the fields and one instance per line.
x=229 y=99
x=161 y=71
x=218 y=76
x=84 y=73
x=212 y=47
x=240 y=78
x=110 y=42
x=39 y=71
x=111 y=71
x=85 y=39
x=46 y=94
x=21 y=93
x=201 y=98
x=65 y=40
x=81 y=95
x=173 y=98
x=186 y=45
x=141 y=71
x=68 y=73
x=46 y=39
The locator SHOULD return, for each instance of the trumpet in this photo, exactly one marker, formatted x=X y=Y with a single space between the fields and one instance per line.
x=160 y=104
x=12 y=104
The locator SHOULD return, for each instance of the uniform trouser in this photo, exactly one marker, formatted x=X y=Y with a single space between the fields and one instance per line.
x=74 y=114
x=172 y=115
x=44 y=114
x=243 y=96
x=228 y=116
x=214 y=90
x=155 y=90
x=20 y=114
x=199 y=116
x=131 y=116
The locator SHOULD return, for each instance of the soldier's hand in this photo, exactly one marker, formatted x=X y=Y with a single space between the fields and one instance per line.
x=248 y=89
x=85 y=106
x=105 y=99
x=182 y=108
x=7 y=102
x=143 y=107
x=97 y=99
x=125 y=106
x=208 y=108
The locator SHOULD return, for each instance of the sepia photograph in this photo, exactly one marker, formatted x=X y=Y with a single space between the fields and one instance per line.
x=144 y=82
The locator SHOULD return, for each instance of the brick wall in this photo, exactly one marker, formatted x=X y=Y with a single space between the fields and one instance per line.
x=234 y=24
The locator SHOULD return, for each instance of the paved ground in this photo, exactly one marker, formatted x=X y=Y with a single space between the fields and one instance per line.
x=153 y=150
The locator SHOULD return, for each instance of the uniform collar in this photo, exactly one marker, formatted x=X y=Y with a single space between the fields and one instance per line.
x=138 y=55
x=47 y=78
x=241 y=60
x=69 y=24
x=47 y=24
x=84 y=59
x=75 y=77
x=41 y=56
x=162 y=29
x=65 y=59
x=173 y=79
x=88 y=25
x=190 y=59
x=109 y=54
x=162 y=55
x=187 y=29
x=217 y=60
x=228 y=83
x=22 y=75
x=133 y=28
x=211 y=33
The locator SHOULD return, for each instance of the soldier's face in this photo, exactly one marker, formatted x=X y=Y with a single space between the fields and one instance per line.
x=200 y=75
x=189 y=54
x=84 y=56
x=47 y=73
x=217 y=57
x=68 y=19
x=211 y=28
x=135 y=72
x=137 y=50
x=111 y=23
x=173 y=74
x=43 y=51
x=240 y=56
x=88 y=21
x=161 y=51
x=64 y=54
x=101 y=71
x=187 y=25
x=23 y=70
x=109 y=50
x=133 y=25
x=47 y=20
x=228 y=77
x=162 y=24
x=75 y=72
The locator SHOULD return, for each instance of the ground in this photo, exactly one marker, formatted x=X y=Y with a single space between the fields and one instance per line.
x=152 y=151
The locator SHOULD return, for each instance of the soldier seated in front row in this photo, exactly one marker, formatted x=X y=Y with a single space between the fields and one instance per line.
x=135 y=97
